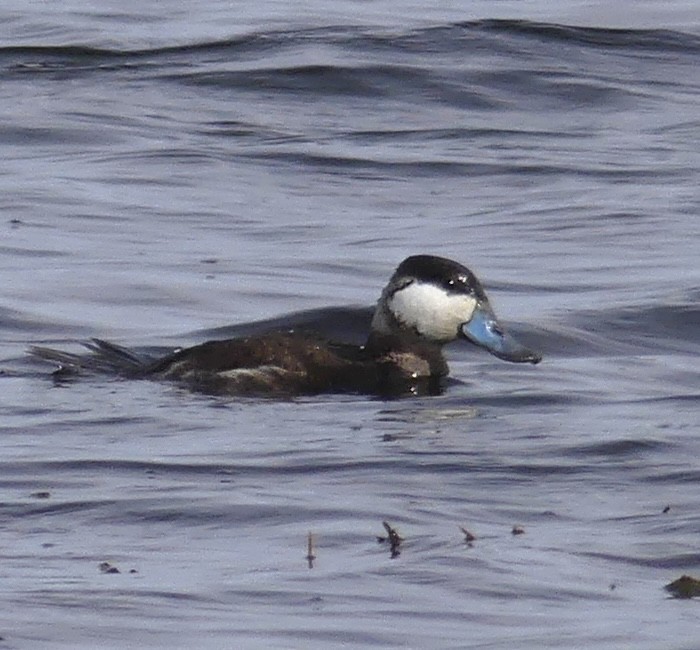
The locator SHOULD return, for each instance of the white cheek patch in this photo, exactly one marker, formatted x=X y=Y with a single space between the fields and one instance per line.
x=432 y=311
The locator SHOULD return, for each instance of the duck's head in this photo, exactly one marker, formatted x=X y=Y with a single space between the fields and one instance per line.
x=437 y=300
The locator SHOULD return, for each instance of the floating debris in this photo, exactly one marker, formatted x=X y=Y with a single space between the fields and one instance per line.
x=40 y=495
x=517 y=530
x=469 y=538
x=393 y=538
x=666 y=509
x=684 y=587
x=106 y=567
x=310 y=557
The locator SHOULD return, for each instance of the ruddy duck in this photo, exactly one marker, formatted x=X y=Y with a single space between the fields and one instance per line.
x=428 y=302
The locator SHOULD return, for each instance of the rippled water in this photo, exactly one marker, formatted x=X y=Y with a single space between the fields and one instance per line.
x=173 y=178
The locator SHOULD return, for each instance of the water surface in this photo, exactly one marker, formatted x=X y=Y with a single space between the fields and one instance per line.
x=170 y=176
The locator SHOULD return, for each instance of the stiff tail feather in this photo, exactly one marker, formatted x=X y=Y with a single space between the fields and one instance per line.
x=104 y=357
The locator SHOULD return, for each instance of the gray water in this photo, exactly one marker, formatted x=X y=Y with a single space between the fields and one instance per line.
x=172 y=175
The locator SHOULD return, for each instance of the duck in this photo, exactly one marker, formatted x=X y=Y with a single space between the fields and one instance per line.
x=428 y=302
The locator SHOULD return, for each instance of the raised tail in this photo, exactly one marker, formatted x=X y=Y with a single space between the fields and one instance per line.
x=104 y=358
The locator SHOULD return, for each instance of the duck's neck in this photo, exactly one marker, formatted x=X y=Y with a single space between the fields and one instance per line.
x=385 y=330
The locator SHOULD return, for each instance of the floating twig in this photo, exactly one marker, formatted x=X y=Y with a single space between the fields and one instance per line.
x=393 y=538
x=469 y=538
x=310 y=557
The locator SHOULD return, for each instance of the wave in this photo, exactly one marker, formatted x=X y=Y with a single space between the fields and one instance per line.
x=655 y=39
x=460 y=36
